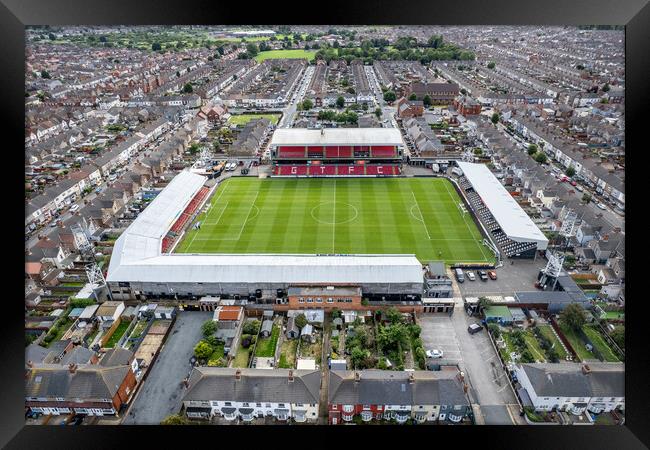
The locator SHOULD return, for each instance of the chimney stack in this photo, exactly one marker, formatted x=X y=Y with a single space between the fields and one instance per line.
x=357 y=377
x=238 y=375
x=290 y=376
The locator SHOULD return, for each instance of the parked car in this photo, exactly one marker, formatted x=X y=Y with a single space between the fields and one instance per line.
x=470 y=275
x=435 y=353
x=482 y=275
x=74 y=208
x=601 y=205
x=492 y=274
x=459 y=275
x=579 y=188
x=474 y=328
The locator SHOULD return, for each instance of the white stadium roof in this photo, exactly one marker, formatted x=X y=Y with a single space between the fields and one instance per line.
x=337 y=136
x=512 y=219
x=137 y=255
x=254 y=268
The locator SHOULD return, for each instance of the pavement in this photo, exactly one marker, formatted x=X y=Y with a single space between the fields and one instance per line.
x=518 y=276
x=476 y=357
x=161 y=393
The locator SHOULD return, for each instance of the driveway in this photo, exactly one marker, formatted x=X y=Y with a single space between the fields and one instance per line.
x=162 y=391
x=489 y=382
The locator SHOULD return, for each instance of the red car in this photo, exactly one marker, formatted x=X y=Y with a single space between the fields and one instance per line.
x=492 y=274
x=573 y=183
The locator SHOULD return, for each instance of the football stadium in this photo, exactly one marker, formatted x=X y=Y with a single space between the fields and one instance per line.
x=423 y=216
x=336 y=212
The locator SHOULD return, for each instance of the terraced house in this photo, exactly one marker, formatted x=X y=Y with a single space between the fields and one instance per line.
x=423 y=396
x=250 y=394
x=93 y=389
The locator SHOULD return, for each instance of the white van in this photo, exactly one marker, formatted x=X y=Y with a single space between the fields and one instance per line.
x=74 y=208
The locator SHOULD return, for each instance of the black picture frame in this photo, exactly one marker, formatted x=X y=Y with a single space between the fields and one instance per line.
x=16 y=14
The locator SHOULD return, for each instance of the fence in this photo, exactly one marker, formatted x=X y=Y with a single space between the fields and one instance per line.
x=109 y=333
x=564 y=340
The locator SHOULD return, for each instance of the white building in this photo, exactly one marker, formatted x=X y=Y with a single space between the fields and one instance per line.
x=253 y=393
x=597 y=387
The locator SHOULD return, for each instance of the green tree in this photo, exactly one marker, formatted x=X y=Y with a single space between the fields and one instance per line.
x=494 y=330
x=389 y=96
x=484 y=303
x=393 y=315
x=606 y=87
x=618 y=335
x=532 y=149
x=208 y=328
x=251 y=327
x=45 y=74
x=51 y=36
x=491 y=65
x=435 y=41
x=307 y=104
x=413 y=96
x=427 y=101
x=203 y=350
x=570 y=171
x=463 y=91
x=188 y=89
x=300 y=321
x=586 y=197
x=358 y=356
x=102 y=38
x=378 y=112
x=340 y=101
x=155 y=46
x=364 y=106
x=541 y=157
x=174 y=419
x=573 y=316
x=495 y=118
x=252 y=50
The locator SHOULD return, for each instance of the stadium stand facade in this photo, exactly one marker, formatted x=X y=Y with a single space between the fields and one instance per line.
x=337 y=152
x=511 y=228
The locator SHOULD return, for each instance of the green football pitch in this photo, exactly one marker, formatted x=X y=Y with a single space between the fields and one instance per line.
x=423 y=216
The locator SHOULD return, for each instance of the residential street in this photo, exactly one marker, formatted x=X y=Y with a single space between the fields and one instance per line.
x=162 y=391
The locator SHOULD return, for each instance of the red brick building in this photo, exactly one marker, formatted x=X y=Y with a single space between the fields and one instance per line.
x=439 y=93
x=407 y=109
x=93 y=389
x=326 y=297
x=466 y=106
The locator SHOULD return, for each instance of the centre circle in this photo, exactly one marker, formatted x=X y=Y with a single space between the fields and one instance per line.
x=334 y=213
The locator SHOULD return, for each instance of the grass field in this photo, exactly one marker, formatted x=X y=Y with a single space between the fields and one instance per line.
x=342 y=216
x=243 y=119
x=292 y=54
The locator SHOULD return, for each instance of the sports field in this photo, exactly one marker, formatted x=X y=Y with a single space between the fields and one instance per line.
x=291 y=54
x=342 y=216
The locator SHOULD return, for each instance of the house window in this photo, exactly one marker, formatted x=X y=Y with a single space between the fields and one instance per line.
x=366 y=406
x=319 y=300
x=330 y=300
x=348 y=408
x=310 y=300
x=301 y=300
x=335 y=407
